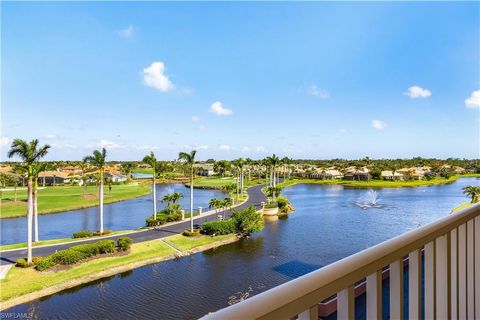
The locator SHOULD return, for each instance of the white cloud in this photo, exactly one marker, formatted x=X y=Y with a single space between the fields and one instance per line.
x=260 y=149
x=218 y=108
x=343 y=130
x=110 y=145
x=378 y=124
x=197 y=147
x=50 y=136
x=313 y=90
x=245 y=149
x=127 y=32
x=5 y=141
x=202 y=127
x=225 y=147
x=145 y=147
x=195 y=118
x=154 y=76
x=417 y=92
x=473 y=102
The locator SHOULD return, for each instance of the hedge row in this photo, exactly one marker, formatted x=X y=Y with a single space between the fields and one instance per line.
x=88 y=233
x=77 y=253
x=162 y=219
x=219 y=227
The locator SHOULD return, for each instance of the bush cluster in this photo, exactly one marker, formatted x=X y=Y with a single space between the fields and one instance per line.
x=163 y=218
x=81 y=252
x=271 y=205
x=83 y=234
x=188 y=233
x=22 y=263
x=105 y=232
x=219 y=227
x=124 y=243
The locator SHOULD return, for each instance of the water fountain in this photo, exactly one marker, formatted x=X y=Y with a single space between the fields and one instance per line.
x=371 y=200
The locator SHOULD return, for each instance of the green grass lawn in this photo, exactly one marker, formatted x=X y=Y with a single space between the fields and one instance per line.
x=371 y=183
x=55 y=241
x=462 y=206
x=20 y=281
x=213 y=182
x=143 y=170
x=63 y=198
x=186 y=243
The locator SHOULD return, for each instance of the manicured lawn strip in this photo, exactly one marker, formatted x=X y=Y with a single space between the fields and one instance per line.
x=64 y=198
x=188 y=243
x=55 y=241
x=462 y=206
x=371 y=183
x=206 y=182
x=143 y=170
x=21 y=281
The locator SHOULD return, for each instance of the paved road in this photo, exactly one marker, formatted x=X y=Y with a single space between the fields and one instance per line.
x=255 y=197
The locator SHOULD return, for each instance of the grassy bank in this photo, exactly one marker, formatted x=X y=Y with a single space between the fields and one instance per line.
x=64 y=198
x=57 y=241
x=372 y=183
x=22 y=285
x=462 y=206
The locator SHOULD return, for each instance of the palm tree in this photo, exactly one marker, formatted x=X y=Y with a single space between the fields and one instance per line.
x=152 y=162
x=97 y=159
x=473 y=192
x=215 y=203
x=127 y=168
x=29 y=153
x=189 y=159
x=285 y=163
x=273 y=162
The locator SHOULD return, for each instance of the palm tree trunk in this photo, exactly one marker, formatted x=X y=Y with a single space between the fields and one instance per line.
x=43 y=180
x=29 y=219
x=154 y=197
x=101 y=201
x=35 y=213
x=15 y=193
x=191 y=199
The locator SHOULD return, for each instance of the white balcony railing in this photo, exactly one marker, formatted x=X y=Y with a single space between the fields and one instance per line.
x=451 y=290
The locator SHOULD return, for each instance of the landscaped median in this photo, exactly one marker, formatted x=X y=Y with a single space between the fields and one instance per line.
x=25 y=284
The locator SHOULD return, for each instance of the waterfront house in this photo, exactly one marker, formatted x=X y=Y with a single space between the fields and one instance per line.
x=391 y=175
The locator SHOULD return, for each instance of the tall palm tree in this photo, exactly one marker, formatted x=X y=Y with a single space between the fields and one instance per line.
x=152 y=162
x=273 y=161
x=473 y=192
x=189 y=159
x=29 y=152
x=285 y=163
x=97 y=159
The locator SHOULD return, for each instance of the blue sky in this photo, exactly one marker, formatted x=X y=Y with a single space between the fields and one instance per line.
x=306 y=80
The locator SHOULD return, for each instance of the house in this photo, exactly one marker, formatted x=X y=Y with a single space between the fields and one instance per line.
x=326 y=174
x=204 y=169
x=54 y=177
x=115 y=177
x=357 y=174
x=391 y=175
x=413 y=173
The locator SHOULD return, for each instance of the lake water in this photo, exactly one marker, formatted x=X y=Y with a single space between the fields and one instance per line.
x=123 y=215
x=327 y=225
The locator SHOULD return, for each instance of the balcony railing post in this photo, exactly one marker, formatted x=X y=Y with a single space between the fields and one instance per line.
x=442 y=277
x=374 y=296
x=454 y=274
x=414 y=285
x=310 y=314
x=470 y=270
x=462 y=272
x=346 y=304
x=477 y=268
x=396 y=289
x=430 y=281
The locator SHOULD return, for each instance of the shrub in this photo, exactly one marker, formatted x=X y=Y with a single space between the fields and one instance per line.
x=174 y=217
x=83 y=234
x=161 y=219
x=45 y=263
x=87 y=250
x=271 y=205
x=105 y=232
x=247 y=220
x=282 y=202
x=67 y=257
x=36 y=260
x=22 y=263
x=106 y=246
x=218 y=227
x=188 y=233
x=124 y=243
